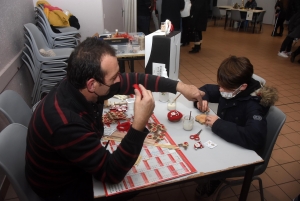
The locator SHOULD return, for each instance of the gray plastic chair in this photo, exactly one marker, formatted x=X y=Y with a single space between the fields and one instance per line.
x=216 y=13
x=275 y=119
x=15 y=109
x=12 y=160
x=236 y=16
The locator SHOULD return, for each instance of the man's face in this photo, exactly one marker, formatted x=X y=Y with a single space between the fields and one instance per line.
x=109 y=65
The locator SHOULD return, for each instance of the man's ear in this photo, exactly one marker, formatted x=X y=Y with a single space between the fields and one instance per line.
x=243 y=87
x=90 y=85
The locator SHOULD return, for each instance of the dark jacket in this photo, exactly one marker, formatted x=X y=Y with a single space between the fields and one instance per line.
x=199 y=14
x=242 y=119
x=143 y=7
x=294 y=26
x=170 y=9
x=251 y=5
x=293 y=8
x=63 y=142
x=280 y=9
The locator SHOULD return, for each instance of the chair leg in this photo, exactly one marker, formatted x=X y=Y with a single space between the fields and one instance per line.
x=261 y=191
x=227 y=184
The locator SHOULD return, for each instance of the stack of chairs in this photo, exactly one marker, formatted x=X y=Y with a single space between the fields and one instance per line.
x=69 y=36
x=46 y=70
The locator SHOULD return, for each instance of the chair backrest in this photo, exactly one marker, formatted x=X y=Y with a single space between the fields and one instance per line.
x=15 y=109
x=216 y=12
x=235 y=15
x=12 y=160
x=275 y=120
x=260 y=17
x=36 y=36
x=260 y=79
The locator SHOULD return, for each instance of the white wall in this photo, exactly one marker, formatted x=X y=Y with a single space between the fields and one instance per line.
x=267 y=5
x=88 y=12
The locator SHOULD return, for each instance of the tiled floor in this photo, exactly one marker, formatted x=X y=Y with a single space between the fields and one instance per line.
x=281 y=180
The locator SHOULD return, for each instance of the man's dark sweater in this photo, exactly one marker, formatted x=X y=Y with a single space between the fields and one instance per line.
x=63 y=142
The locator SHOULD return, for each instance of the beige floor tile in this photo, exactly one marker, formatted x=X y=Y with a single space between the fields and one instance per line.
x=282 y=141
x=295 y=115
x=285 y=108
x=272 y=163
x=293 y=151
x=294 y=137
x=253 y=196
x=286 y=129
x=237 y=189
x=294 y=125
x=266 y=180
x=279 y=175
x=295 y=106
x=293 y=169
x=291 y=189
x=275 y=193
x=281 y=156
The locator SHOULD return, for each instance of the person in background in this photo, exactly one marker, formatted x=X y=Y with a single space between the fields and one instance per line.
x=293 y=32
x=297 y=198
x=154 y=14
x=170 y=9
x=185 y=19
x=251 y=4
x=64 y=151
x=243 y=105
x=295 y=54
x=198 y=23
x=143 y=16
x=279 y=18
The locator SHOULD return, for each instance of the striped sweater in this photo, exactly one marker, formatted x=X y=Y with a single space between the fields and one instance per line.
x=63 y=147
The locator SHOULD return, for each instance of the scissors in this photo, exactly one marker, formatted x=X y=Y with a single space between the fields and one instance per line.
x=196 y=136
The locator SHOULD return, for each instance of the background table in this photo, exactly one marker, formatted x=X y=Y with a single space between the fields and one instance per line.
x=130 y=57
x=208 y=162
x=229 y=8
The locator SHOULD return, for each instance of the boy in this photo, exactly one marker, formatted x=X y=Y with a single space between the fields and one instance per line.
x=243 y=105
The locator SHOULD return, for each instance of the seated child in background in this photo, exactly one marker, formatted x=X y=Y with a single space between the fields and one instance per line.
x=243 y=105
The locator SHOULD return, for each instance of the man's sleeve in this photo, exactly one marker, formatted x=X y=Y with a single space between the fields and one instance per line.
x=83 y=148
x=150 y=82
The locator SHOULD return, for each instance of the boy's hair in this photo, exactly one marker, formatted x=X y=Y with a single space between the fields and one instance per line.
x=234 y=71
x=85 y=62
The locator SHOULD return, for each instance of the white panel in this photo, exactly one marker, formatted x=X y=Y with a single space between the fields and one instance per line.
x=174 y=57
x=113 y=11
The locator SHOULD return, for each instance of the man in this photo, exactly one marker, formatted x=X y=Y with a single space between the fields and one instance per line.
x=143 y=16
x=63 y=143
x=251 y=4
x=170 y=10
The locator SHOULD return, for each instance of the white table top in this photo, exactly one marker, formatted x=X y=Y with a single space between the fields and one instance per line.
x=207 y=161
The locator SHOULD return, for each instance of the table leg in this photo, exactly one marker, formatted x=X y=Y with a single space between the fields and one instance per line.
x=246 y=183
x=131 y=65
x=226 y=18
x=122 y=66
x=254 y=22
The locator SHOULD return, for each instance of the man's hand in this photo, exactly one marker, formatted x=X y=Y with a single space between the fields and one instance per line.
x=203 y=107
x=210 y=119
x=191 y=92
x=143 y=108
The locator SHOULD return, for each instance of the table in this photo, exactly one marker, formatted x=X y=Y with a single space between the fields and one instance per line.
x=208 y=162
x=229 y=8
x=131 y=57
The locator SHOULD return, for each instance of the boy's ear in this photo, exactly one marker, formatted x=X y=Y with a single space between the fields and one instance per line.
x=243 y=87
